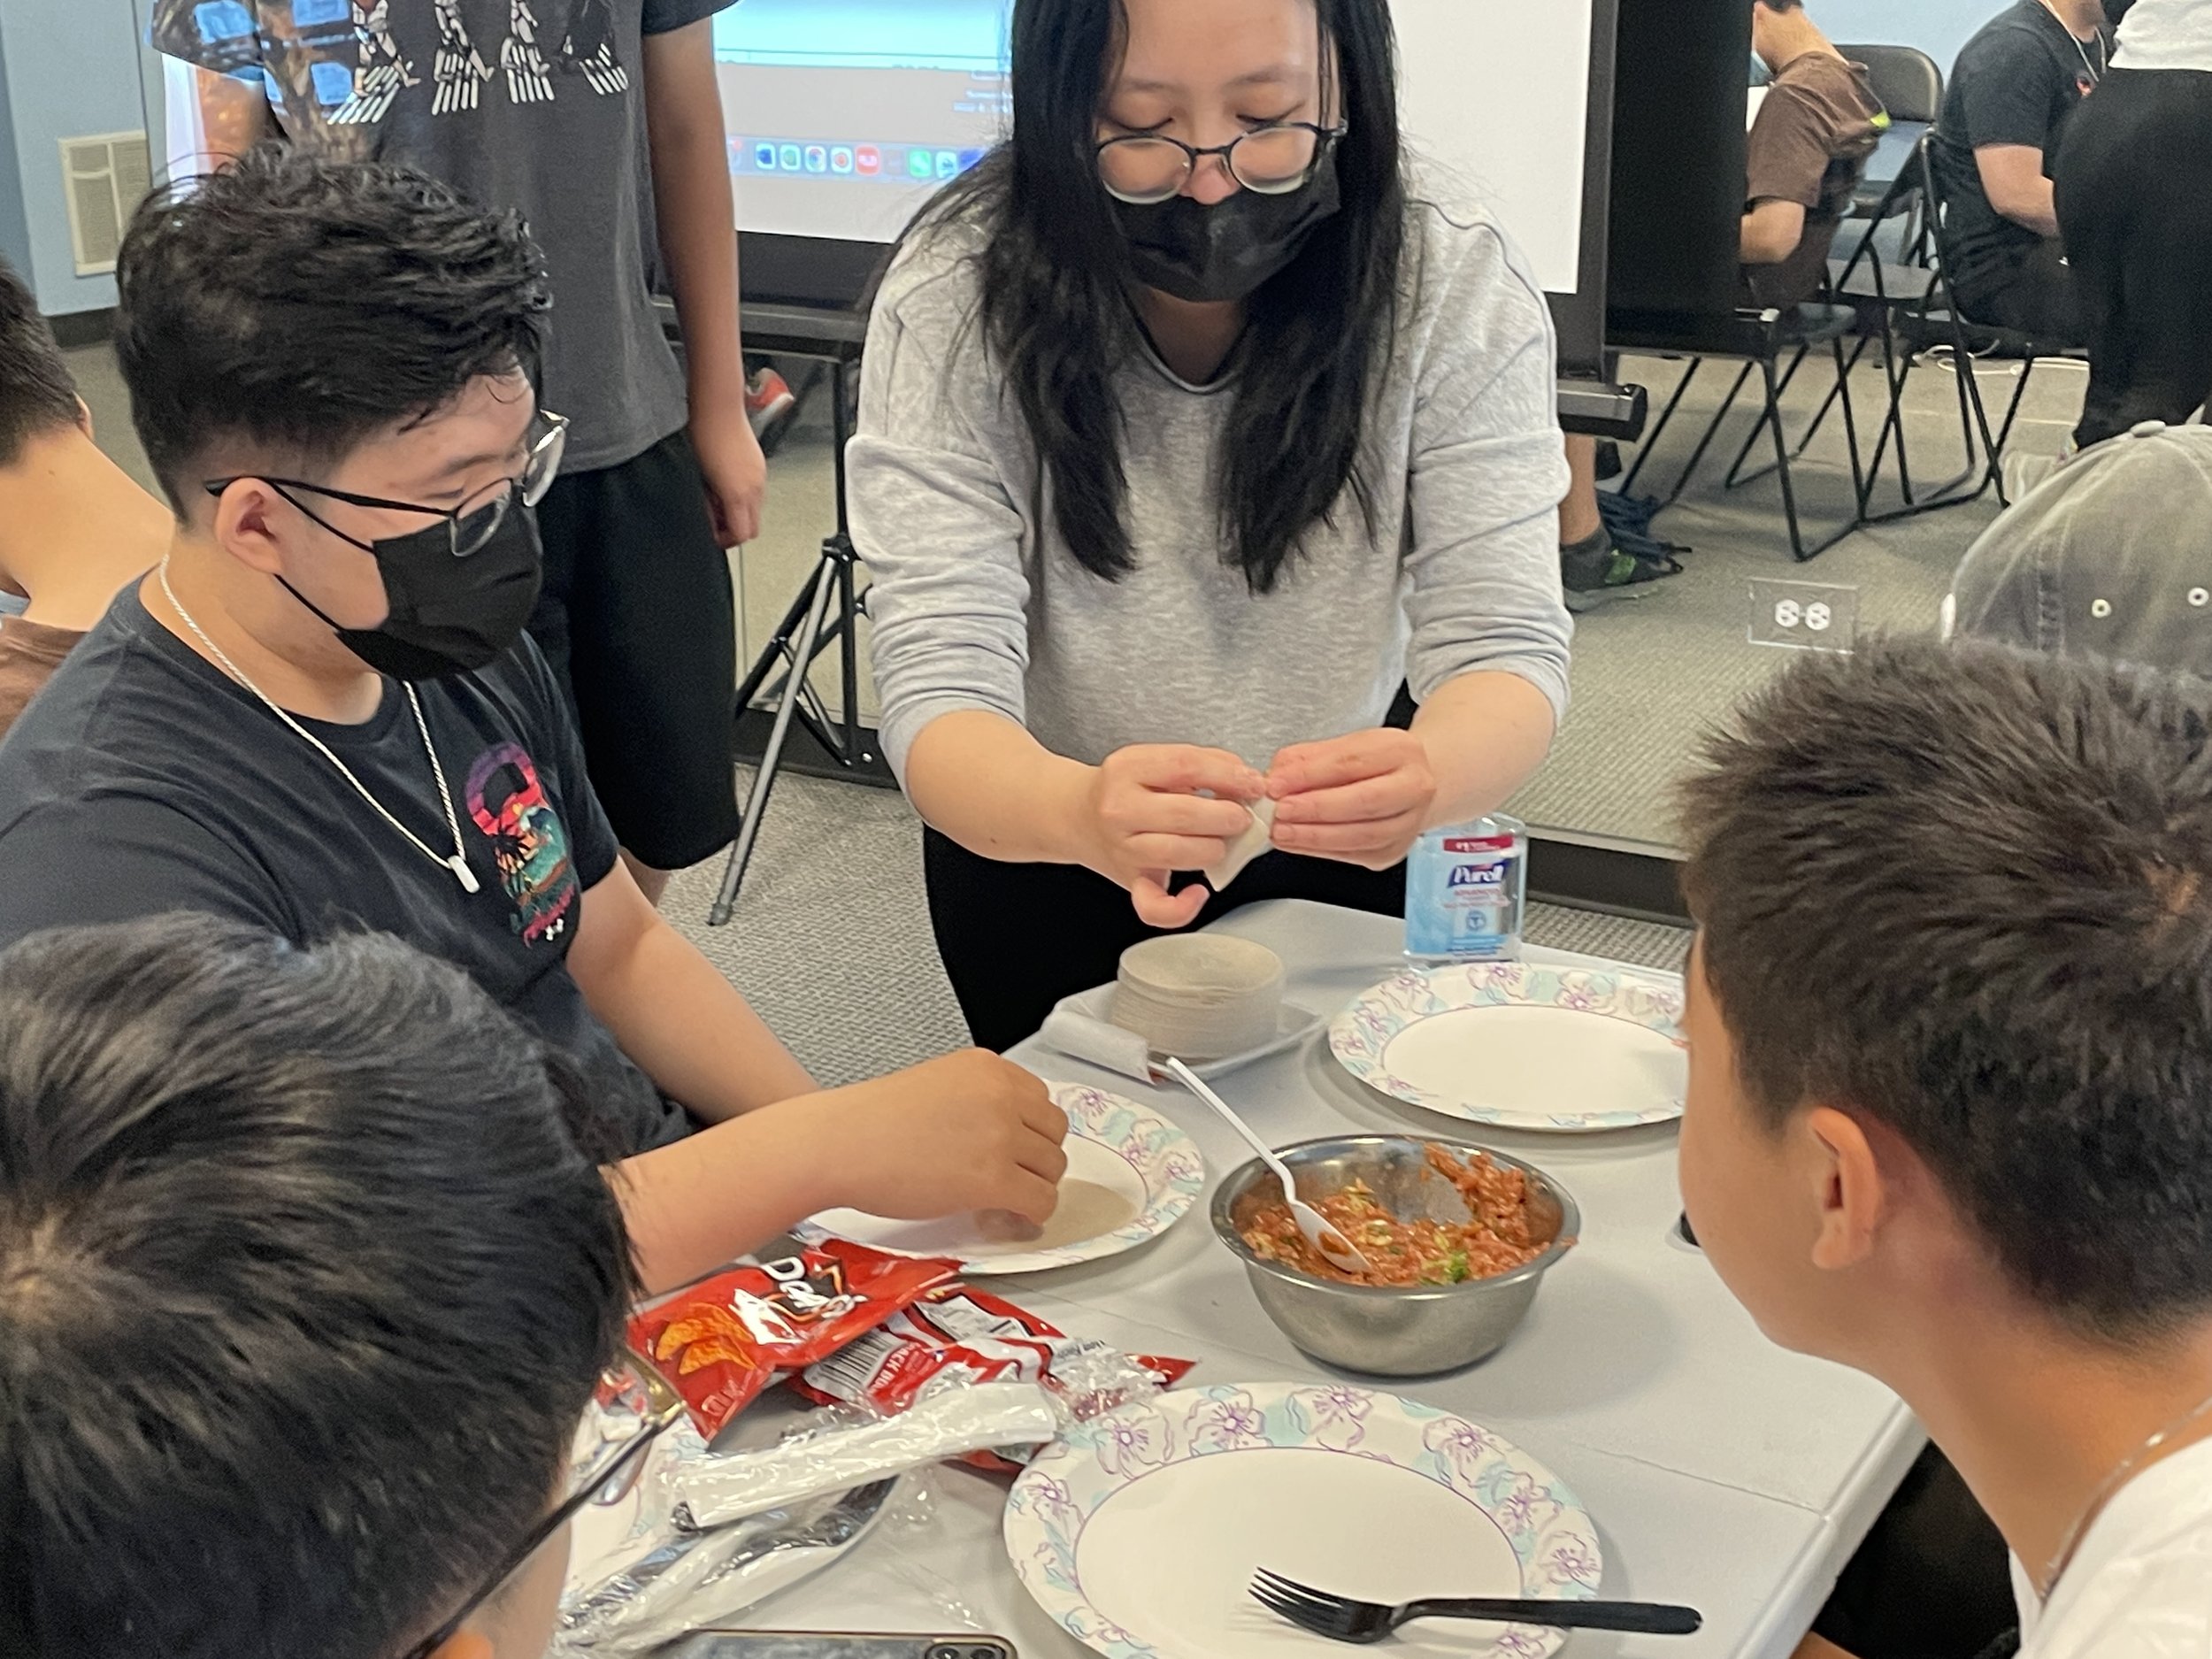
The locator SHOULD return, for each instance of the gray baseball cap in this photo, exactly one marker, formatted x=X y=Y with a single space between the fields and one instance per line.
x=2109 y=557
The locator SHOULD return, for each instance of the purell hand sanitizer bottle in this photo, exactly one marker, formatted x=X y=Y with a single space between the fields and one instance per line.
x=1464 y=887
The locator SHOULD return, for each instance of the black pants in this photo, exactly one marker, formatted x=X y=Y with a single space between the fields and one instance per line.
x=2040 y=299
x=1018 y=938
x=1931 y=1581
x=638 y=624
x=2134 y=182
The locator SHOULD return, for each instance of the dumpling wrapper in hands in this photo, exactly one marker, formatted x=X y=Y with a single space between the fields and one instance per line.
x=1256 y=839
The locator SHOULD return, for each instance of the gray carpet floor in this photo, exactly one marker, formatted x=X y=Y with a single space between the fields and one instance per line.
x=1653 y=673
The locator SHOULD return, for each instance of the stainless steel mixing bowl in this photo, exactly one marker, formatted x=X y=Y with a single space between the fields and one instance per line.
x=1382 y=1331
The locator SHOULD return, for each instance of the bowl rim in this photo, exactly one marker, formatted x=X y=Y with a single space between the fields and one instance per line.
x=1569 y=1220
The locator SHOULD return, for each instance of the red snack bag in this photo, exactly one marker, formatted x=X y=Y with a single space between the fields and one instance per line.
x=957 y=1330
x=722 y=1342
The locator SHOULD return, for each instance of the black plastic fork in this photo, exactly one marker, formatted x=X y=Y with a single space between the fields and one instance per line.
x=1341 y=1618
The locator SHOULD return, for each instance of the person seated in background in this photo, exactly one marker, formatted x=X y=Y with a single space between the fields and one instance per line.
x=2110 y=557
x=1806 y=156
x=74 y=527
x=2015 y=88
x=1804 y=160
x=1952 y=1132
x=320 y=711
x=305 y=1285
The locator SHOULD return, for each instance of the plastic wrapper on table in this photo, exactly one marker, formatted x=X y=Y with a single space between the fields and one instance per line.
x=681 y=1578
x=840 y=1446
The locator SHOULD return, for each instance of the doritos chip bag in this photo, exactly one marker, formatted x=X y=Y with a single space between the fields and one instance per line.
x=725 y=1339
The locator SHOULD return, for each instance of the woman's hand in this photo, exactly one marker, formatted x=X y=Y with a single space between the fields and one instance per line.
x=1143 y=820
x=1362 y=800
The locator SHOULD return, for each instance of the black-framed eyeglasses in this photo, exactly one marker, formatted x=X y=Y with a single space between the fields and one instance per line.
x=473 y=523
x=1142 y=168
x=634 y=1408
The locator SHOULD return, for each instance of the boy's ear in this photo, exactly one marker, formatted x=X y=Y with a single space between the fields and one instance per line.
x=1850 y=1189
x=242 y=515
x=84 y=418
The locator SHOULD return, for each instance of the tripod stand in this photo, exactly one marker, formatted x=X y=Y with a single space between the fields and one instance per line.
x=828 y=606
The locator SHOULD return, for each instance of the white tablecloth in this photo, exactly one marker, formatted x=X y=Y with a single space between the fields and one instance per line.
x=1722 y=1472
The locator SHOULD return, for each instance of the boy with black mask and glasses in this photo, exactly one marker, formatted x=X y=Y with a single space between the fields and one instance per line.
x=320 y=713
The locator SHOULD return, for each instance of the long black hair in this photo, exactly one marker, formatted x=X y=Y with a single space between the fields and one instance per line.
x=1055 y=277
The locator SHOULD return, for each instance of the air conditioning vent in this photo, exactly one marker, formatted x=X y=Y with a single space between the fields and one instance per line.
x=105 y=176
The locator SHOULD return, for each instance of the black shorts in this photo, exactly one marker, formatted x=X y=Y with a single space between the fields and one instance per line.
x=639 y=624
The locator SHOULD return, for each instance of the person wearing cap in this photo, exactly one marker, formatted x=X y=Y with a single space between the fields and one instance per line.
x=2110 y=557
x=2138 y=232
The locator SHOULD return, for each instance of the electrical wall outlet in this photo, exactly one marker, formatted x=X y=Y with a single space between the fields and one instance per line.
x=1803 y=616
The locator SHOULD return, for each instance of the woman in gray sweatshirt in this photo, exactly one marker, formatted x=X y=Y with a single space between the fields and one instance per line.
x=1198 y=445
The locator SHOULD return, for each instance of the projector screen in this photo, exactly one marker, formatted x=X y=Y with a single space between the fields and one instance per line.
x=844 y=116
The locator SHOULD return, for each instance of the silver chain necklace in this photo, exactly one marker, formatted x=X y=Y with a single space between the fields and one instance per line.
x=2096 y=75
x=458 y=864
x=2064 y=1557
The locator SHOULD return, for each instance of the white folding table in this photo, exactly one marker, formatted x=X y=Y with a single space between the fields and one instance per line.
x=1722 y=1472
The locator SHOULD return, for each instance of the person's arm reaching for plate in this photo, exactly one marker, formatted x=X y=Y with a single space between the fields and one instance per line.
x=1489 y=659
x=967 y=1132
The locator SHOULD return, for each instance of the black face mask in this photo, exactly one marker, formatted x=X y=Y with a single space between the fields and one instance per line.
x=447 y=615
x=1225 y=251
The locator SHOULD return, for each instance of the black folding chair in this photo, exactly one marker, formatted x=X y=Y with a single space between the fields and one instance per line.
x=1938 y=322
x=1758 y=339
x=1889 y=294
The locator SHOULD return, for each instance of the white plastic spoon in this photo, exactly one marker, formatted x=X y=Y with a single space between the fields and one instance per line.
x=1319 y=1231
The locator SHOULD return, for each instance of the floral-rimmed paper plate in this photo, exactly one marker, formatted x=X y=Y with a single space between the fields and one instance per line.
x=1522 y=1046
x=1131 y=1175
x=1138 y=1532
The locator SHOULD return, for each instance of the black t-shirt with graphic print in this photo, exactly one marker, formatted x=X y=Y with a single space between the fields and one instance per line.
x=144 y=779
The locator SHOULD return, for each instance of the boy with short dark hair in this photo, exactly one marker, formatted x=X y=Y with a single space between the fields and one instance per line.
x=304 y=1286
x=1950 y=1023
x=74 y=527
x=320 y=712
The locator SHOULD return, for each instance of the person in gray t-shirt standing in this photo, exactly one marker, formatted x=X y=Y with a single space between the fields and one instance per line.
x=1189 y=435
x=586 y=116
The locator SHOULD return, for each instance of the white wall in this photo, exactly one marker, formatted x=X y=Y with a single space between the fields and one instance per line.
x=70 y=69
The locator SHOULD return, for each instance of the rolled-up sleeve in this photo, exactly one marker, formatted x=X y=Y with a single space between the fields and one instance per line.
x=931 y=490
x=1488 y=471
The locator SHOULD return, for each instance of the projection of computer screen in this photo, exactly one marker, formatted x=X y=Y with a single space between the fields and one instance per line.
x=844 y=116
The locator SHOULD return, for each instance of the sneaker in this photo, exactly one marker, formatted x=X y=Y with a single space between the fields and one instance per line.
x=770 y=407
x=1596 y=571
